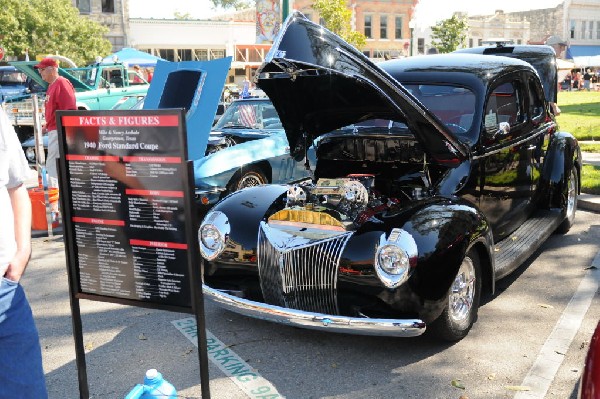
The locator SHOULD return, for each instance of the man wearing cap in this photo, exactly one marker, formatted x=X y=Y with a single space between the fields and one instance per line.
x=60 y=95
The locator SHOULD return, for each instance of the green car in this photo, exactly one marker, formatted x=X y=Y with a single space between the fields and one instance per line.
x=97 y=87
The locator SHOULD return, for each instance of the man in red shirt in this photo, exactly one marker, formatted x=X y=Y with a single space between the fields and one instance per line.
x=60 y=95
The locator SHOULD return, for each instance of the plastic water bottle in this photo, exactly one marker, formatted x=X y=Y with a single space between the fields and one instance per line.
x=154 y=387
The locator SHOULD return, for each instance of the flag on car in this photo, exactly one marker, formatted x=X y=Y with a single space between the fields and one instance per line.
x=247 y=115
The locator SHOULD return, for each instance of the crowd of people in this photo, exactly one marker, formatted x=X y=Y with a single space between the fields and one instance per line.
x=576 y=80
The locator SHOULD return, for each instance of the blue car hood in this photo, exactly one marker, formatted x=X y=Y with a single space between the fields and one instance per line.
x=239 y=155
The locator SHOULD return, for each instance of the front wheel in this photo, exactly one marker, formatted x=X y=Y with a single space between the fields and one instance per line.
x=463 y=301
x=570 y=202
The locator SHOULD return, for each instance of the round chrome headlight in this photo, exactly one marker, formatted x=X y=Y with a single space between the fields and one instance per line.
x=395 y=257
x=213 y=234
x=30 y=154
x=393 y=260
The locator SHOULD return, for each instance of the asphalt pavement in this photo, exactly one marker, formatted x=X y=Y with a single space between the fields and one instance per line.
x=112 y=331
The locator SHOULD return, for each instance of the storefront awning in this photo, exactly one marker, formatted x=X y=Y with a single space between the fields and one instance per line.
x=582 y=51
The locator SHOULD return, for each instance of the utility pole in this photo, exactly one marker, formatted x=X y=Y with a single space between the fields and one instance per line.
x=285 y=8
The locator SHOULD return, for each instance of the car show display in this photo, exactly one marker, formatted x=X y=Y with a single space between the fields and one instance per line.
x=246 y=147
x=434 y=177
x=97 y=87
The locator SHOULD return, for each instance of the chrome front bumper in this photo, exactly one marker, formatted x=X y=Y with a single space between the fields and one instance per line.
x=316 y=321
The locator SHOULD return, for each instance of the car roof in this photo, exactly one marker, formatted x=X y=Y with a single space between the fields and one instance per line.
x=541 y=57
x=474 y=68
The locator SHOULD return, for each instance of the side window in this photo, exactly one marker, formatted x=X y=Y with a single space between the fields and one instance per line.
x=536 y=101
x=503 y=105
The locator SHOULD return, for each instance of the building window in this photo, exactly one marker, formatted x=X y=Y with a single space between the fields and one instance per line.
x=308 y=16
x=216 y=53
x=108 y=6
x=84 y=6
x=167 y=53
x=583 y=24
x=479 y=42
x=184 y=54
x=518 y=41
x=572 y=29
x=201 y=54
x=591 y=30
x=398 y=28
x=322 y=22
x=368 y=26
x=598 y=30
x=470 y=42
x=367 y=53
x=420 y=45
x=383 y=27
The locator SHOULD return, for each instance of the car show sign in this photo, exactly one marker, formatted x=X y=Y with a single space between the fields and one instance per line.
x=128 y=212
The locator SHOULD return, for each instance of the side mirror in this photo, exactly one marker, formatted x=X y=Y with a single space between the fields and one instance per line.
x=503 y=129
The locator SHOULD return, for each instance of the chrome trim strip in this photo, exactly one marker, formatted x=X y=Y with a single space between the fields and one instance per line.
x=316 y=321
x=211 y=191
x=503 y=148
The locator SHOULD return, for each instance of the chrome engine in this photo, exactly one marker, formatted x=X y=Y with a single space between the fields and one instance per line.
x=351 y=200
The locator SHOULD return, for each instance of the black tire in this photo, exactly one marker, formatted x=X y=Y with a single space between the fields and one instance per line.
x=247 y=177
x=570 y=203
x=462 y=304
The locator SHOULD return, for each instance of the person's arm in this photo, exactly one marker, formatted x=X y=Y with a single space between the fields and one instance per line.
x=21 y=205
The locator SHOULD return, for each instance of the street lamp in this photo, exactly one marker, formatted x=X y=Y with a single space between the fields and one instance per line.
x=411 y=27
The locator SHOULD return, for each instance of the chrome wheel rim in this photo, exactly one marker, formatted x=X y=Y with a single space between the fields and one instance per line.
x=462 y=292
x=250 y=180
x=571 y=196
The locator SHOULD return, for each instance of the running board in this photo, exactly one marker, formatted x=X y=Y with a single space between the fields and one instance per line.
x=511 y=252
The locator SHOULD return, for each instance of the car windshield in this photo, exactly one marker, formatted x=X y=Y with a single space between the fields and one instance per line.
x=453 y=105
x=12 y=78
x=249 y=115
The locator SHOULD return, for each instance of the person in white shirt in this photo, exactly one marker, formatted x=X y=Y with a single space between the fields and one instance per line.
x=21 y=371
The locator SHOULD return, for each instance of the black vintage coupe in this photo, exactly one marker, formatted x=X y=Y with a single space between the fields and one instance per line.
x=435 y=177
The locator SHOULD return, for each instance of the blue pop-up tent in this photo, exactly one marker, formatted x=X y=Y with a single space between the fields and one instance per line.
x=130 y=56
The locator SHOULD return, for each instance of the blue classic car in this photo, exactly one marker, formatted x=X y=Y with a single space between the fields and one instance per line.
x=247 y=147
x=14 y=83
x=435 y=177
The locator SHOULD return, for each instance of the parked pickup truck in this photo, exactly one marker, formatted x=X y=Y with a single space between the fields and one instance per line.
x=98 y=86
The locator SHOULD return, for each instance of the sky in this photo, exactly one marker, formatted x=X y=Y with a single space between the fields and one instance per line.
x=428 y=12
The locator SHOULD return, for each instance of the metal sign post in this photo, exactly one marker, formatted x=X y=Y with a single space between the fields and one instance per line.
x=40 y=159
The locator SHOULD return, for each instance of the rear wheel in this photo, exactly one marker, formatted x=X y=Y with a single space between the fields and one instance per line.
x=463 y=301
x=570 y=202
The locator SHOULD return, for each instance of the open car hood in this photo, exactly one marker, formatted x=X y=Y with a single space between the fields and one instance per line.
x=319 y=83
x=27 y=67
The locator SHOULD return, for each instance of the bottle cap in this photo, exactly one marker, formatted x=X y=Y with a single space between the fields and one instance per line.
x=151 y=374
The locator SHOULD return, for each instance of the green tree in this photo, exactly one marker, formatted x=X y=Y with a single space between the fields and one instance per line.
x=449 y=34
x=50 y=27
x=235 y=4
x=337 y=18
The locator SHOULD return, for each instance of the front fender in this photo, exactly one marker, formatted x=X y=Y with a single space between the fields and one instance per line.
x=563 y=153
x=444 y=231
x=246 y=208
x=217 y=168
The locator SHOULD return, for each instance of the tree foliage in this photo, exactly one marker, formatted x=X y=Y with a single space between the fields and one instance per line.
x=235 y=4
x=42 y=27
x=337 y=17
x=449 y=34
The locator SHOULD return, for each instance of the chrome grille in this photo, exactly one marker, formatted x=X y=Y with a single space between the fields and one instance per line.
x=299 y=269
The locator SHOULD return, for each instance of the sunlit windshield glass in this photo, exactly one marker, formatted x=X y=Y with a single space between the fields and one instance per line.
x=12 y=78
x=250 y=115
x=453 y=105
